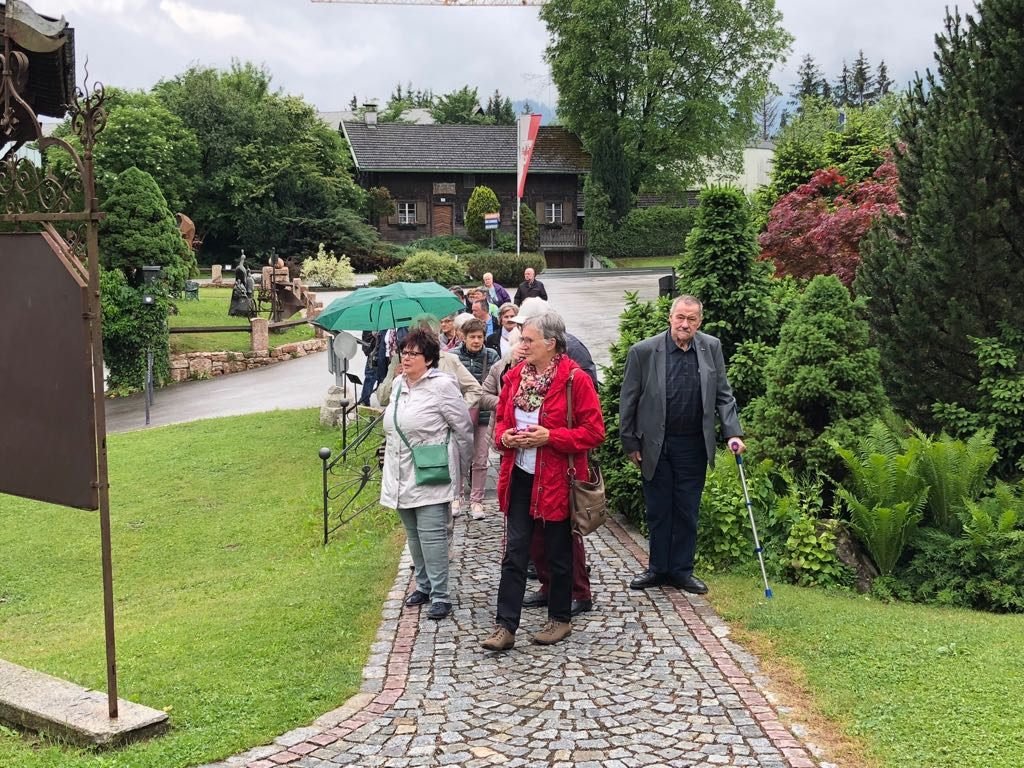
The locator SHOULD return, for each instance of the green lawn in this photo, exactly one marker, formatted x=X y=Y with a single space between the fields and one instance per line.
x=917 y=686
x=647 y=261
x=230 y=614
x=212 y=311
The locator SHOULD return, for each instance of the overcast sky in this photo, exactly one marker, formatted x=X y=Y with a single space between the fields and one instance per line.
x=326 y=52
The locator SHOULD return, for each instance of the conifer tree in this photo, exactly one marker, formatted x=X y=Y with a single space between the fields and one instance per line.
x=843 y=89
x=481 y=201
x=721 y=268
x=950 y=270
x=809 y=80
x=861 y=83
x=883 y=83
x=822 y=381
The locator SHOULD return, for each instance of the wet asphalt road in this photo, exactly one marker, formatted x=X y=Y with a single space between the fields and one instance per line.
x=590 y=304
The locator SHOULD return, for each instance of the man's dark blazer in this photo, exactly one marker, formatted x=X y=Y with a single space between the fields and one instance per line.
x=642 y=401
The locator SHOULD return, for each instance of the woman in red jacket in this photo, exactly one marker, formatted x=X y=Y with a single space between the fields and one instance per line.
x=531 y=430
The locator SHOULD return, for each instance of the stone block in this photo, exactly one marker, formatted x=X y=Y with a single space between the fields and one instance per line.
x=68 y=712
x=259 y=337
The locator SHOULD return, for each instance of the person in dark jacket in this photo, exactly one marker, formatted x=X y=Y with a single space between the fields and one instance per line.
x=478 y=360
x=530 y=286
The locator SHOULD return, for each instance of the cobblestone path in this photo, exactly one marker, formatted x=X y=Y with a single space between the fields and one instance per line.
x=646 y=679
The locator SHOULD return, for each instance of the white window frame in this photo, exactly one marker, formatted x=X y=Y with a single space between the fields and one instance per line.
x=406 y=213
x=553 y=213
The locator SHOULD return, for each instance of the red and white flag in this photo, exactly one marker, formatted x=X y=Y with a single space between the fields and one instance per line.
x=526 y=132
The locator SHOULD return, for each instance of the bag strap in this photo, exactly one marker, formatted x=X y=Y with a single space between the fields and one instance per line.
x=568 y=422
x=394 y=417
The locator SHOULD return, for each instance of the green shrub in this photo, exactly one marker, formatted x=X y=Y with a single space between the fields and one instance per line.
x=656 y=231
x=724 y=538
x=139 y=230
x=529 y=232
x=131 y=329
x=507 y=268
x=452 y=244
x=381 y=256
x=505 y=242
x=328 y=270
x=424 y=266
x=623 y=487
x=481 y=201
x=807 y=556
x=822 y=382
x=597 y=221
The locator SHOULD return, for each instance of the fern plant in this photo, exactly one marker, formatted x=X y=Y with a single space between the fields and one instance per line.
x=954 y=471
x=884 y=531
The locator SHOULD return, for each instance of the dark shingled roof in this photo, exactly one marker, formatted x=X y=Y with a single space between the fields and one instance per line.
x=460 y=148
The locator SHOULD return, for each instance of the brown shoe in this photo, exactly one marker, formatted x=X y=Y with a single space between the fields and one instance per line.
x=500 y=640
x=553 y=632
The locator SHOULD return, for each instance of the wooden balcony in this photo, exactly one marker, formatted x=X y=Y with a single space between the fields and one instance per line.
x=562 y=239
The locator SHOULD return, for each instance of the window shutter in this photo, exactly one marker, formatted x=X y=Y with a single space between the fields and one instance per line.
x=569 y=212
x=393 y=218
x=540 y=212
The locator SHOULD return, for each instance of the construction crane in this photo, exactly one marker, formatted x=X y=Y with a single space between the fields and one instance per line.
x=457 y=3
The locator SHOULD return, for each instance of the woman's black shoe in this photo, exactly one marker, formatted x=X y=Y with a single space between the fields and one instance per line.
x=417 y=598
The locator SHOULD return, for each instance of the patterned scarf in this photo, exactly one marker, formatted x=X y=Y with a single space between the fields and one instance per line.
x=534 y=385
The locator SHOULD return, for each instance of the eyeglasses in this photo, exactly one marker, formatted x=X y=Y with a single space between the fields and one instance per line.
x=410 y=353
x=528 y=341
x=691 y=319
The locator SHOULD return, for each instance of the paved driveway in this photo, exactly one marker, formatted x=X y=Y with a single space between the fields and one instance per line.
x=590 y=305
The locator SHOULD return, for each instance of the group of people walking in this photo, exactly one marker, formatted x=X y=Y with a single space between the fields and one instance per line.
x=528 y=390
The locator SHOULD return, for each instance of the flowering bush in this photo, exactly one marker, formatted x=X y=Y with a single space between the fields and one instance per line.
x=328 y=270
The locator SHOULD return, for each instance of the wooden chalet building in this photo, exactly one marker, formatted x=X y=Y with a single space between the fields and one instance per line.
x=431 y=170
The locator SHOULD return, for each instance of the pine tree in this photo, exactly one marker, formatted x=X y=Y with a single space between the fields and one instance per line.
x=610 y=170
x=883 y=84
x=720 y=266
x=353 y=103
x=861 y=83
x=823 y=381
x=843 y=89
x=809 y=80
x=951 y=269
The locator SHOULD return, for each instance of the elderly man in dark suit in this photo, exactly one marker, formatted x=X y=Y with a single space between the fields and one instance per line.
x=674 y=382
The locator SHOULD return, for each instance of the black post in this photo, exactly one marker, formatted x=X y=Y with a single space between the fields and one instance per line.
x=149 y=382
x=325 y=455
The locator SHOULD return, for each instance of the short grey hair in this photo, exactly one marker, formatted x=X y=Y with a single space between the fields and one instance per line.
x=506 y=307
x=687 y=299
x=551 y=326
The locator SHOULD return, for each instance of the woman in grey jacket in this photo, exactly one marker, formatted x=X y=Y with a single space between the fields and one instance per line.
x=427 y=408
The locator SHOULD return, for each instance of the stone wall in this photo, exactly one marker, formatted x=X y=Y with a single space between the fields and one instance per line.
x=204 y=365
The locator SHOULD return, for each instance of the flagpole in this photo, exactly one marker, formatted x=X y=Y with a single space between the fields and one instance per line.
x=519 y=210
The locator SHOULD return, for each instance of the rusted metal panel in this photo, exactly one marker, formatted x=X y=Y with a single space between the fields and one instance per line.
x=48 y=448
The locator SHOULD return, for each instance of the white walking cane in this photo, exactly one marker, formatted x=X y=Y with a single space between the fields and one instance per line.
x=753 y=526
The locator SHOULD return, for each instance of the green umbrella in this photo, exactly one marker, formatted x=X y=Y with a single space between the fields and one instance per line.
x=390 y=306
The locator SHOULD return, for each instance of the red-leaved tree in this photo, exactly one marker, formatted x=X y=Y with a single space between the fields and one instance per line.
x=816 y=229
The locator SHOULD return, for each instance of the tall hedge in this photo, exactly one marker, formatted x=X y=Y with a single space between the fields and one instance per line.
x=656 y=231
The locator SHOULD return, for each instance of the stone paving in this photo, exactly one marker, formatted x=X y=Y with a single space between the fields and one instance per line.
x=646 y=679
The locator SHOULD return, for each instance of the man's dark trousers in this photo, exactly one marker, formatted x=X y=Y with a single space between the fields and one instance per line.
x=673 y=503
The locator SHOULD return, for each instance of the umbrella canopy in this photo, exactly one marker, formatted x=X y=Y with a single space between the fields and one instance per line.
x=390 y=306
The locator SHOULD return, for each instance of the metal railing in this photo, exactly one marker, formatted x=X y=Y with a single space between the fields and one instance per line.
x=563 y=238
x=351 y=471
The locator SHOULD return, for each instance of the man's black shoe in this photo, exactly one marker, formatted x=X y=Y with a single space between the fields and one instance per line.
x=531 y=571
x=536 y=599
x=691 y=584
x=417 y=598
x=646 y=580
x=439 y=610
x=581 y=606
